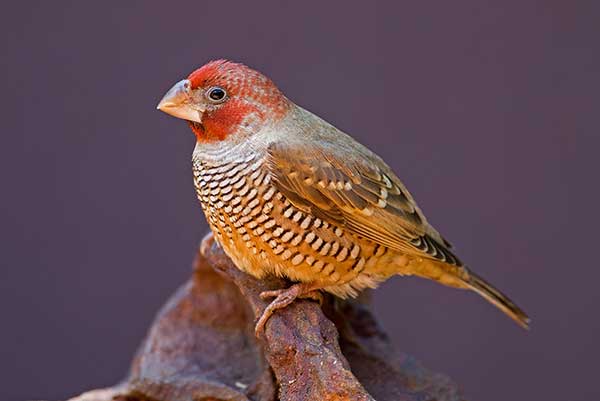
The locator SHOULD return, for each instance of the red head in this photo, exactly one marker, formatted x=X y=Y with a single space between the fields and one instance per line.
x=223 y=98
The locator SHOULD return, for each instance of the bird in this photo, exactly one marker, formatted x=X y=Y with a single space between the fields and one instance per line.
x=287 y=194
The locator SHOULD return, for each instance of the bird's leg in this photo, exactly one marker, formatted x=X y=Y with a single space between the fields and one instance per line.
x=283 y=298
x=207 y=243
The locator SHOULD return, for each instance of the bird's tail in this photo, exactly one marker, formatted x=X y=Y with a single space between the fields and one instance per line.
x=501 y=301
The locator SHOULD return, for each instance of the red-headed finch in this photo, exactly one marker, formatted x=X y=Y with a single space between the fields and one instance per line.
x=288 y=194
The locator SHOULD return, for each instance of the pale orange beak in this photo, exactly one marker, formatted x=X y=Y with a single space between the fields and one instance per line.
x=178 y=102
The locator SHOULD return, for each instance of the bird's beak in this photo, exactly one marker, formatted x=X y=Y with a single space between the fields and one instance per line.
x=178 y=102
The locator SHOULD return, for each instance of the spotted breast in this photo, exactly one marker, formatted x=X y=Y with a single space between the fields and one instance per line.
x=264 y=233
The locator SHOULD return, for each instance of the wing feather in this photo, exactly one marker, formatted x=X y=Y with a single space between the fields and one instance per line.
x=357 y=191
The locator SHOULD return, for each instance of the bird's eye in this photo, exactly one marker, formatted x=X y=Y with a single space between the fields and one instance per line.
x=216 y=94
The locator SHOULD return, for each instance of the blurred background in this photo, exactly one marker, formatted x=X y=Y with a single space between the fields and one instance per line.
x=487 y=110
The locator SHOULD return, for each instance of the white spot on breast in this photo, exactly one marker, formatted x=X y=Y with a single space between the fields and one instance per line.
x=297 y=240
x=287 y=236
x=224 y=182
x=286 y=254
x=325 y=249
x=261 y=180
x=245 y=219
x=227 y=197
x=355 y=251
x=239 y=184
x=342 y=255
x=329 y=268
x=296 y=260
x=269 y=194
x=334 y=248
x=255 y=174
x=309 y=237
x=288 y=212
x=317 y=244
x=267 y=207
x=244 y=190
x=360 y=264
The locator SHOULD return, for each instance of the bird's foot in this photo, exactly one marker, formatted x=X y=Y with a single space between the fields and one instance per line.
x=207 y=243
x=283 y=298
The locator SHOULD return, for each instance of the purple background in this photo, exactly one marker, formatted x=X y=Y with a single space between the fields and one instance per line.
x=488 y=110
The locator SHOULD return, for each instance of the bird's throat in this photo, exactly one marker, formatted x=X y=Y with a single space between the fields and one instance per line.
x=197 y=129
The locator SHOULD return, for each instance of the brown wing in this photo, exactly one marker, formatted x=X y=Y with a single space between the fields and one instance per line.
x=357 y=191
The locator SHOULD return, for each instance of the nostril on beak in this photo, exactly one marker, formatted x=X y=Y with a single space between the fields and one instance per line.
x=177 y=96
x=178 y=102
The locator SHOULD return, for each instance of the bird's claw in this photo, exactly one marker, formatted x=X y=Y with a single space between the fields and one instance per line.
x=283 y=297
x=271 y=293
x=207 y=243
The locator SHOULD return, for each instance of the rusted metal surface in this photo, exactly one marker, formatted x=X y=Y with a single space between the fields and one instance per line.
x=202 y=347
